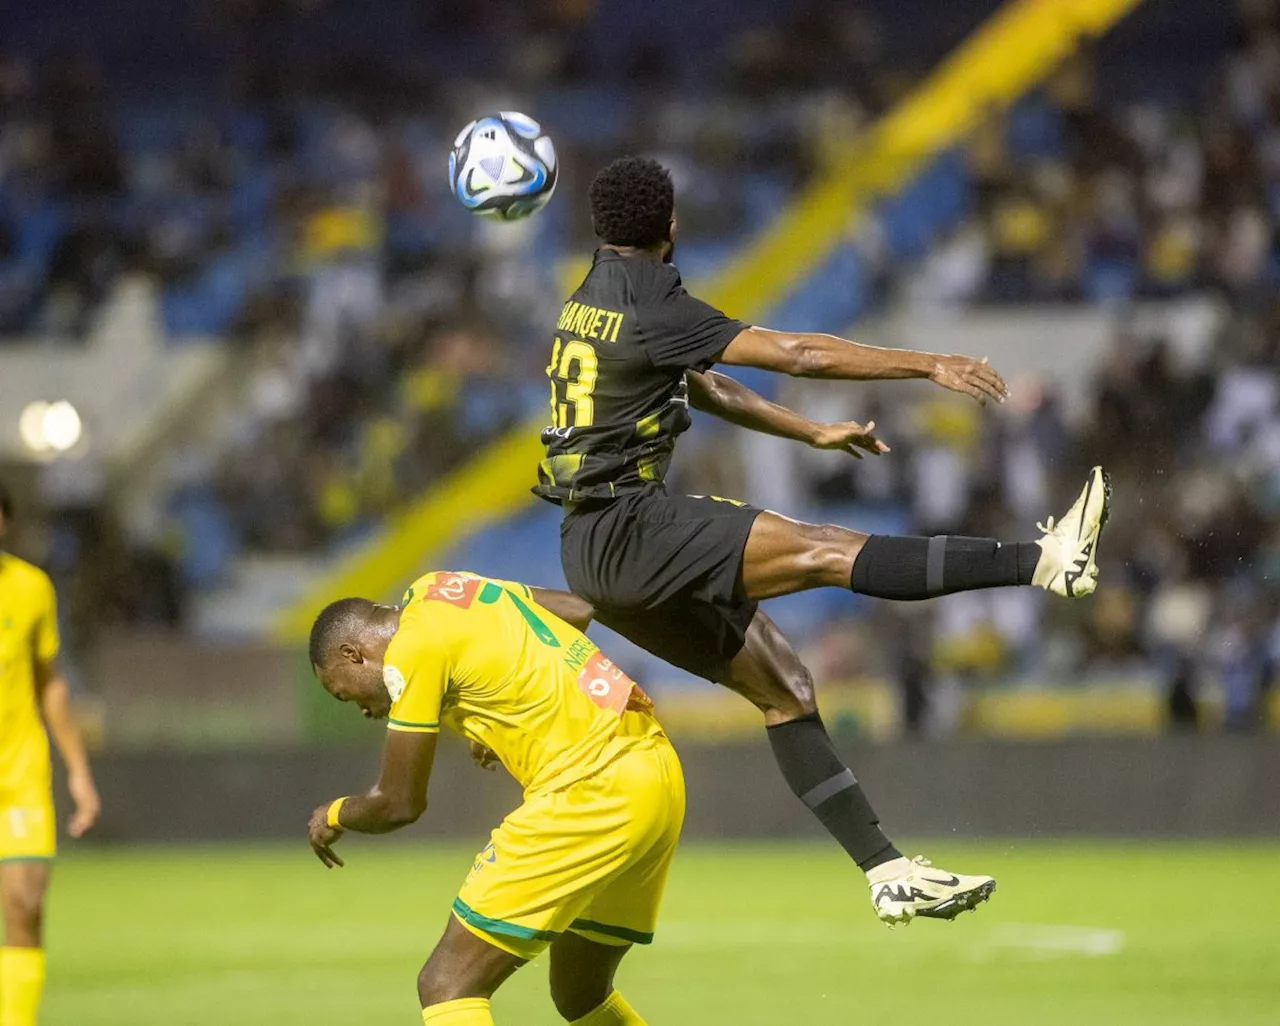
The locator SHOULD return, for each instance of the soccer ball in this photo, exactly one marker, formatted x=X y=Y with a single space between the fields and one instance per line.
x=503 y=167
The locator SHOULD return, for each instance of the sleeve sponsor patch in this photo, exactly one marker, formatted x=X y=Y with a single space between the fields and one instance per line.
x=605 y=683
x=454 y=589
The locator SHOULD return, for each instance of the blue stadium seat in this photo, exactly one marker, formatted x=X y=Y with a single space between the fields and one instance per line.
x=209 y=305
x=1034 y=129
x=209 y=541
x=1110 y=281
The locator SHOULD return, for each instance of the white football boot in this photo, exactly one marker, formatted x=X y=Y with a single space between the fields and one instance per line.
x=903 y=889
x=1068 y=563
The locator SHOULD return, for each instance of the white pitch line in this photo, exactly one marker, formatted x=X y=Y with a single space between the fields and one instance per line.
x=1019 y=941
x=1041 y=942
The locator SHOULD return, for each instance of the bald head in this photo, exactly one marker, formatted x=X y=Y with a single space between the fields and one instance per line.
x=342 y=621
x=348 y=645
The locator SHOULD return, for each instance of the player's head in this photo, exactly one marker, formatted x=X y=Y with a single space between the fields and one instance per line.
x=348 y=643
x=6 y=511
x=633 y=204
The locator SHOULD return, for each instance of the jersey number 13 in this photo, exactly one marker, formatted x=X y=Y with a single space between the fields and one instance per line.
x=573 y=370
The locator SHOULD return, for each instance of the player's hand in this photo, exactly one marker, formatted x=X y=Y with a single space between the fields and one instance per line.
x=483 y=757
x=87 y=804
x=974 y=378
x=849 y=437
x=323 y=836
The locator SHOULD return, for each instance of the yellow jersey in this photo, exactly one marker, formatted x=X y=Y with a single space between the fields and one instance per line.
x=28 y=637
x=483 y=658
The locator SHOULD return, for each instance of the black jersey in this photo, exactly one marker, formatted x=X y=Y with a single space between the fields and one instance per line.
x=618 y=394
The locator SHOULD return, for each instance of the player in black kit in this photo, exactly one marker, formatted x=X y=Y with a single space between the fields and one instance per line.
x=681 y=576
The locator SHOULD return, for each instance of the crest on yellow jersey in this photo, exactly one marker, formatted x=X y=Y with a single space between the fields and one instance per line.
x=393 y=681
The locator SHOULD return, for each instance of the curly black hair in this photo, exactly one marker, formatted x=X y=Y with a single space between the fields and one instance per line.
x=632 y=201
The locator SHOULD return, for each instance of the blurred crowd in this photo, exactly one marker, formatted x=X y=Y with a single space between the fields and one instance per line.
x=263 y=167
x=1190 y=559
x=294 y=205
x=302 y=212
x=297 y=208
x=1077 y=199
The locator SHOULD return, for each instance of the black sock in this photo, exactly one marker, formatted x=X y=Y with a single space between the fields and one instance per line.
x=918 y=568
x=823 y=782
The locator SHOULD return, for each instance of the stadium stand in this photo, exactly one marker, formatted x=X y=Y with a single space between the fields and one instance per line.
x=379 y=339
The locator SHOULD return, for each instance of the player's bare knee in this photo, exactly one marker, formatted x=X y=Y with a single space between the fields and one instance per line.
x=463 y=966
x=797 y=696
x=436 y=985
x=450 y=975
x=828 y=556
x=575 y=1002
x=581 y=974
x=23 y=914
x=577 y=992
x=800 y=687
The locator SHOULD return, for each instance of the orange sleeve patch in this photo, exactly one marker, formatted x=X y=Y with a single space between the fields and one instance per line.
x=454 y=589
x=605 y=684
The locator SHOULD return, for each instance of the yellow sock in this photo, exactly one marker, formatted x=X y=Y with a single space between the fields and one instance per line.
x=464 y=1012
x=614 y=1012
x=21 y=981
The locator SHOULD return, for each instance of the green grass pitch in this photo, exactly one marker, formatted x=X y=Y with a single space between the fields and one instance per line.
x=1078 y=934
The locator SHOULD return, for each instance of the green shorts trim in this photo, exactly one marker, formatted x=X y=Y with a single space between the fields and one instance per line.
x=621 y=932
x=473 y=918
x=27 y=858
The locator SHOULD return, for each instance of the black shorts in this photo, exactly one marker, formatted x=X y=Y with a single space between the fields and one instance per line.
x=665 y=572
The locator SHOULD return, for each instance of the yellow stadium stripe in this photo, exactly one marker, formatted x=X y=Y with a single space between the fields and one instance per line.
x=1014 y=50
x=1009 y=54
x=489 y=488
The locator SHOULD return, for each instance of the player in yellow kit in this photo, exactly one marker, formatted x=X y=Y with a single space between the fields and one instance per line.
x=32 y=695
x=581 y=865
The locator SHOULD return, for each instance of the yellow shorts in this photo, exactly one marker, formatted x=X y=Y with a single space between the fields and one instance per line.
x=592 y=858
x=28 y=829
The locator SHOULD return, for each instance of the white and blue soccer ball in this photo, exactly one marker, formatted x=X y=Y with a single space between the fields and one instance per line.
x=503 y=166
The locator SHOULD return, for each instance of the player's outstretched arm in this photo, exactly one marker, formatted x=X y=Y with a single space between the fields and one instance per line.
x=826 y=356
x=565 y=605
x=55 y=708
x=723 y=397
x=396 y=800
